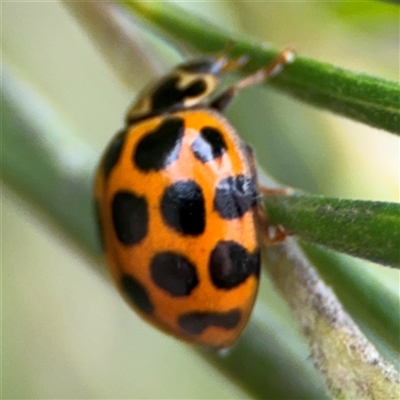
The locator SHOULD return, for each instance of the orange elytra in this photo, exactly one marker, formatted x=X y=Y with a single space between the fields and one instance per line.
x=177 y=204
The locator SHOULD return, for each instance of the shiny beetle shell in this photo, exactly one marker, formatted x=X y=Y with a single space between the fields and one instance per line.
x=176 y=198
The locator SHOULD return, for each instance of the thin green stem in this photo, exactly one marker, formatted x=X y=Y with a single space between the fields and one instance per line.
x=365 y=229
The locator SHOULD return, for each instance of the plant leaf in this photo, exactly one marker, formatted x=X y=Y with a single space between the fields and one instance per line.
x=362 y=97
x=261 y=362
x=45 y=163
x=118 y=41
x=397 y=2
x=365 y=229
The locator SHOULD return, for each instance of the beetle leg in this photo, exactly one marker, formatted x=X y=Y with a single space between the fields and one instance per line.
x=261 y=75
x=266 y=191
x=269 y=234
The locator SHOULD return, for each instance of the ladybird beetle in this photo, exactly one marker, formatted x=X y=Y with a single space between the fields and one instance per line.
x=177 y=203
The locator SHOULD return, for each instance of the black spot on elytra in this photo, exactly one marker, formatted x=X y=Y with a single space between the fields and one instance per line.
x=168 y=94
x=183 y=209
x=160 y=147
x=234 y=196
x=99 y=224
x=135 y=291
x=113 y=153
x=231 y=264
x=210 y=144
x=130 y=217
x=174 y=273
x=196 y=322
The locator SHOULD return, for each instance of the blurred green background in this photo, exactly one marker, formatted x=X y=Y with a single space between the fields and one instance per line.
x=65 y=331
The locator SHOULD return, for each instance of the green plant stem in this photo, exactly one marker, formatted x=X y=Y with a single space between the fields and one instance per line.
x=258 y=363
x=396 y=2
x=368 y=229
x=38 y=154
x=364 y=98
x=114 y=41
